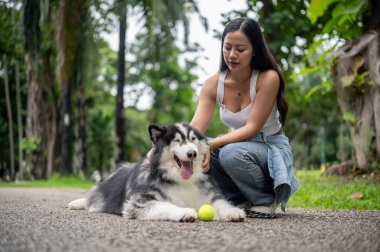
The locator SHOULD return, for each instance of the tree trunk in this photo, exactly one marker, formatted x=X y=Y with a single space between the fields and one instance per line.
x=101 y=159
x=52 y=117
x=40 y=118
x=81 y=80
x=120 y=122
x=35 y=126
x=68 y=36
x=357 y=83
x=10 y=122
x=81 y=131
x=41 y=121
x=20 y=131
x=66 y=131
x=31 y=32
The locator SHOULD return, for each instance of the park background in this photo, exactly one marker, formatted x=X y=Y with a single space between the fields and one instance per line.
x=81 y=80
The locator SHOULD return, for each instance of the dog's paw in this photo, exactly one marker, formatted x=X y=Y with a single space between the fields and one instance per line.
x=78 y=204
x=188 y=215
x=232 y=214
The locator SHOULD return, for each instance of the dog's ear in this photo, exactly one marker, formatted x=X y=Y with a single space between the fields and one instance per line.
x=156 y=132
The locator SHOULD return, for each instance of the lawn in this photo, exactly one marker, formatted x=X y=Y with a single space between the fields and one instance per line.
x=330 y=192
x=56 y=181
x=316 y=191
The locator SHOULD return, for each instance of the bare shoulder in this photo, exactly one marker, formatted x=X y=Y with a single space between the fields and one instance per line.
x=212 y=81
x=268 y=84
x=210 y=86
x=268 y=79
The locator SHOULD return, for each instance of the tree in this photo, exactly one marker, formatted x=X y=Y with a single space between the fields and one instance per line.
x=69 y=38
x=64 y=106
x=10 y=45
x=120 y=120
x=10 y=121
x=355 y=70
x=40 y=115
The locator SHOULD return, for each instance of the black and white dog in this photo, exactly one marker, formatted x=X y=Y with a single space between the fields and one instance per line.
x=169 y=186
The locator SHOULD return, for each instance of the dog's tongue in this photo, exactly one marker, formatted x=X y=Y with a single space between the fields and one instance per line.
x=186 y=169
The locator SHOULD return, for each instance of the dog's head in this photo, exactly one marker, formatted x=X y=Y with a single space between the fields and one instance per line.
x=179 y=150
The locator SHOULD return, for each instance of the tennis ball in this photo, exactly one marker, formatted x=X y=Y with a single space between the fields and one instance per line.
x=206 y=213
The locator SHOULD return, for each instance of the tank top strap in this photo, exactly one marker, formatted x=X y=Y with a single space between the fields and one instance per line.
x=252 y=88
x=220 y=90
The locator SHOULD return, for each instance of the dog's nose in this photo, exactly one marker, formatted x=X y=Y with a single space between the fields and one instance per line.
x=191 y=154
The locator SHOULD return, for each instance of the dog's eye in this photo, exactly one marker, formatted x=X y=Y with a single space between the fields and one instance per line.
x=193 y=139
x=177 y=140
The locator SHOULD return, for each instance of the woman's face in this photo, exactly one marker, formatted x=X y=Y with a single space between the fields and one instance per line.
x=237 y=51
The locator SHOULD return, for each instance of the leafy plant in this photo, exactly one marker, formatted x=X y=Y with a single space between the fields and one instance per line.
x=29 y=145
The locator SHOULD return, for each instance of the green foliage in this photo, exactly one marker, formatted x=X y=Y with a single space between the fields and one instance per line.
x=138 y=141
x=342 y=20
x=302 y=37
x=30 y=145
x=158 y=68
x=286 y=28
x=100 y=140
x=11 y=48
x=101 y=76
x=328 y=192
x=317 y=8
x=349 y=117
x=55 y=181
x=344 y=16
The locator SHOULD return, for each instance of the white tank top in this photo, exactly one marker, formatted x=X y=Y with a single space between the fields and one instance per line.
x=236 y=120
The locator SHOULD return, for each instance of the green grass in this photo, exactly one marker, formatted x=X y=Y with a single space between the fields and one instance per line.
x=315 y=191
x=56 y=181
x=329 y=192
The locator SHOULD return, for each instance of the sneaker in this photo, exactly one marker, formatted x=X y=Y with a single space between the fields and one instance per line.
x=244 y=206
x=263 y=212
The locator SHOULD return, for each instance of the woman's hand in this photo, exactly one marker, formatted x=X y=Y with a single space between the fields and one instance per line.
x=149 y=154
x=206 y=162
x=206 y=157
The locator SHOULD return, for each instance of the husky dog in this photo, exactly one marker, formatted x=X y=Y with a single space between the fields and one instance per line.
x=168 y=186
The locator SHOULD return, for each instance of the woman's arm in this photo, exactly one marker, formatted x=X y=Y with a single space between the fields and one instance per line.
x=206 y=104
x=268 y=84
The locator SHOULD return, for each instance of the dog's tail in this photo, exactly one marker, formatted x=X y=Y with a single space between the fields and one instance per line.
x=79 y=204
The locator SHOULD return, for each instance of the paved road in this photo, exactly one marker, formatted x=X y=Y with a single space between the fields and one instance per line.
x=38 y=220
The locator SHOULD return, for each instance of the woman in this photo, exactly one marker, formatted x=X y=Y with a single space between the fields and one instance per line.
x=252 y=164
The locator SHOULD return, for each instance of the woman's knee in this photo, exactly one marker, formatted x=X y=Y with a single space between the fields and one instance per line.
x=232 y=155
x=246 y=153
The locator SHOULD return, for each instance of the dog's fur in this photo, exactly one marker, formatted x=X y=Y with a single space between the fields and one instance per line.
x=169 y=186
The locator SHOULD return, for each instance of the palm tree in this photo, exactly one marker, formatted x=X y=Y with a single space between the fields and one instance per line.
x=120 y=120
x=69 y=38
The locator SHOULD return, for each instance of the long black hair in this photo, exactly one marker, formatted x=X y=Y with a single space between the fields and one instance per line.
x=263 y=59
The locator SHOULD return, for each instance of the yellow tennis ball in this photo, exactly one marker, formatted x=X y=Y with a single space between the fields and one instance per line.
x=206 y=213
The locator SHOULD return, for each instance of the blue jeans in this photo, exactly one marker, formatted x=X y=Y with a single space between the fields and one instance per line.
x=241 y=172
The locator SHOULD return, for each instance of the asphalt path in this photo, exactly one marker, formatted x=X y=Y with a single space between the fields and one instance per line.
x=39 y=220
